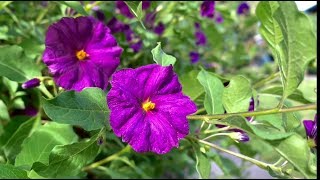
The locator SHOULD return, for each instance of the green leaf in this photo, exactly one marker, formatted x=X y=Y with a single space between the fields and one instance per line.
x=87 y=108
x=12 y=86
x=38 y=146
x=203 y=165
x=236 y=96
x=4 y=114
x=33 y=175
x=68 y=160
x=11 y=127
x=15 y=65
x=269 y=28
x=7 y=171
x=13 y=145
x=214 y=90
x=264 y=131
x=136 y=9
x=190 y=85
x=76 y=5
x=161 y=57
x=295 y=149
x=297 y=95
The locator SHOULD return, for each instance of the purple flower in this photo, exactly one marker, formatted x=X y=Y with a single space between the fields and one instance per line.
x=148 y=109
x=194 y=57
x=207 y=9
x=100 y=15
x=81 y=52
x=31 y=83
x=136 y=46
x=239 y=135
x=219 y=18
x=149 y=20
x=124 y=9
x=243 y=8
x=30 y=111
x=115 y=25
x=145 y=4
x=251 y=108
x=197 y=26
x=311 y=130
x=201 y=39
x=159 y=28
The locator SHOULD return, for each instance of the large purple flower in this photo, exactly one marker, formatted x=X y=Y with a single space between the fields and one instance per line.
x=311 y=130
x=81 y=52
x=148 y=109
x=207 y=9
x=124 y=9
x=243 y=8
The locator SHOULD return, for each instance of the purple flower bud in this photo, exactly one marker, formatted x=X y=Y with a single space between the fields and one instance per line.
x=136 y=46
x=239 y=135
x=219 y=18
x=207 y=9
x=201 y=39
x=145 y=4
x=30 y=111
x=311 y=129
x=159 y=28
x=243 y=8
x=194 y=57
x=31 y=83
x=100 y=15
x=100 y=141
x=124 y=9
x=115 y=25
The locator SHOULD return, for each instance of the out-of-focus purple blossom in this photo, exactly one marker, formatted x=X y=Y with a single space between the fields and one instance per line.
x=100 y=15
x=194 y=57
x=129 y=34
x=159 y=28
x=201 y=39
x=149 y=20
x=115 y=25
x=44 y=3
x=30 y=111
x=136 y=46
x=207 y=9
x=124 y=9
x=311 y=131
x=31 y=83
x=251 y=108
x=243 y=8
x=197 y=25
x=219 y=19
x=145 y=5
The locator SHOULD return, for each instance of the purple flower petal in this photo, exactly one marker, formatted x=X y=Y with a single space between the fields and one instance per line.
x=100 y=15
x=219 y=18
x=157 y=128
x=201 y=39
x=194 y=57
x=124 y=9
x=136 y=46
x=149 y=20
x=31 y=83
x=145 y=5
x=81 y=52
x=243 y=8
x=311 y=128
x=159 y=28
x=207 y=9
x=115 y=25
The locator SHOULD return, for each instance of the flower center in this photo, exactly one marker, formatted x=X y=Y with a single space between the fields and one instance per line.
x=148 y=105
x=81 y=55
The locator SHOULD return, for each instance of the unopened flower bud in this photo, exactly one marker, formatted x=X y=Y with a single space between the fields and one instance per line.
x=31 y=83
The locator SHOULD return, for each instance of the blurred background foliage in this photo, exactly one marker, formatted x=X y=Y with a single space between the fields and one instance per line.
x=233 y=47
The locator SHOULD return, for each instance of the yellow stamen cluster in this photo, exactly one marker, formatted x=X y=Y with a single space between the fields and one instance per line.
x=148 y=105
x=81 y=55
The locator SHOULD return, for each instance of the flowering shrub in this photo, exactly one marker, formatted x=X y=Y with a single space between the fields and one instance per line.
x=132 y=89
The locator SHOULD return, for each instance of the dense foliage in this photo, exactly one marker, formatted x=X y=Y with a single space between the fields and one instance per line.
x=209 y=82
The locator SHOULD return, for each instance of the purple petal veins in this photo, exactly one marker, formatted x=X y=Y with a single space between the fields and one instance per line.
x=148 y=109
x=81 y=52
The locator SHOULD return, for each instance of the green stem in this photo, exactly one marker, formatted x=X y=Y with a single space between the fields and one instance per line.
x=262 y=82
x=260 y=164
x=254 y=113
x=107 y=159
x=200 y=110
x=45 y=91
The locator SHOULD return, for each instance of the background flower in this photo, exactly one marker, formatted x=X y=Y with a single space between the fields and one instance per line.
x=207 y=9
x=81 y=52
x=243 y=8
x=148 y=109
